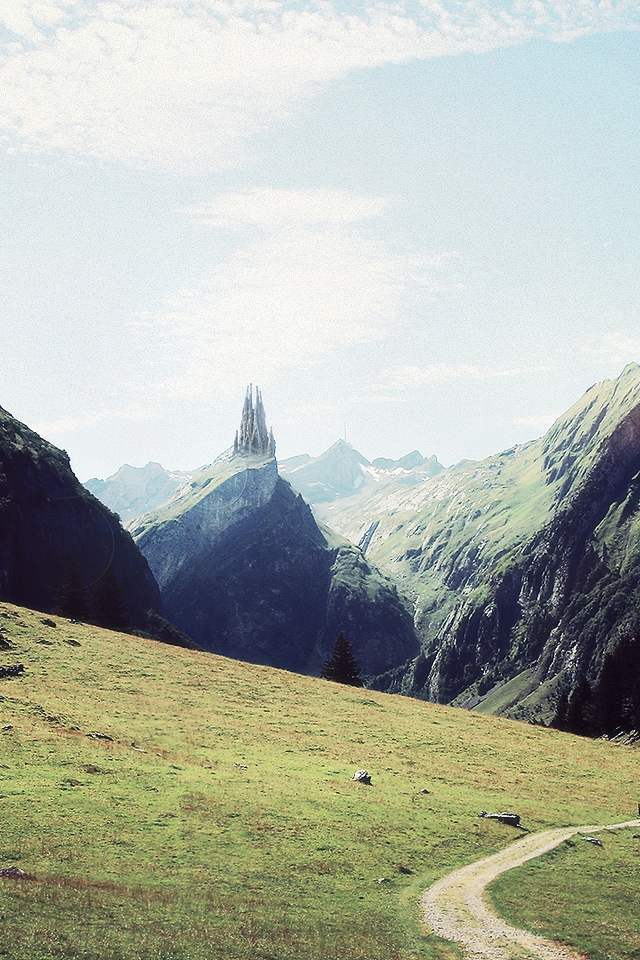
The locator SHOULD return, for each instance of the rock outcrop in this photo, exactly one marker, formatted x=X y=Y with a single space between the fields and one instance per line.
x=253 y=438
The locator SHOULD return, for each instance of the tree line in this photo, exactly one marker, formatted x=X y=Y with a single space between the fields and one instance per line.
x=103 y=604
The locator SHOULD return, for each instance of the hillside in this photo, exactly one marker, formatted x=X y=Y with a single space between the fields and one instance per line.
x=169 y=803
x=245 y=570
x=524 y=566
x=48 y=521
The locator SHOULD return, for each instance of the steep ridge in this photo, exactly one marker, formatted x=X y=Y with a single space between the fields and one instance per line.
x=246 y=571
x=48 y=520
x=525 y=564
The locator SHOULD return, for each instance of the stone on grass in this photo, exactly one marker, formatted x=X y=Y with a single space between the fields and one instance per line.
x=14 y=873
x=362 y=777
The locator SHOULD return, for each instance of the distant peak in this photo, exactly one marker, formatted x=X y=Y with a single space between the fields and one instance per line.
x=253 y=438
x=344 y=448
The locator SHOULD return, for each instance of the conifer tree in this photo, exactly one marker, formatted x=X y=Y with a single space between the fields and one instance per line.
x=74 y=600
x=342 y=666
x=109 y=604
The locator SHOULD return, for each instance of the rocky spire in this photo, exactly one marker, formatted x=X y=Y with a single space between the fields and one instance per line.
x=253 y=438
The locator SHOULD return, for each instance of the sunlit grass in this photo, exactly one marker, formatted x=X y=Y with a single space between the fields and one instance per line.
x=221 y=821
x=584 y=894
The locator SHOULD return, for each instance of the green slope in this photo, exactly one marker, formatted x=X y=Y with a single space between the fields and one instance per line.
x=500 y=554
x=220 y=820
x=440 y=537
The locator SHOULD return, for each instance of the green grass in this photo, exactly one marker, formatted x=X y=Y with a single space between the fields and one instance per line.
x=585 y=895
x=221 y=820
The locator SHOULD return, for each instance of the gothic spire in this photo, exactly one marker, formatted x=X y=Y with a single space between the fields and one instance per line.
x=253 y=438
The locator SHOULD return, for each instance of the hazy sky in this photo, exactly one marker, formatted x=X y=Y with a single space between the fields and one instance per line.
x=420 y=219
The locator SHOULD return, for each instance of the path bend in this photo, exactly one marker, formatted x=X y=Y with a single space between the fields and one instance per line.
x=456 y=910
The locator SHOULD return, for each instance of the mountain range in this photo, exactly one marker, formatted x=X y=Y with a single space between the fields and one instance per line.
x=133 y=491
x=500 y=585
x=343 y=474
x=524 y=568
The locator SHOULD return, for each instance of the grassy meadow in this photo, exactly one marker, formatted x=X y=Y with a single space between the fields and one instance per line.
x=586 y=895
x=220 y=819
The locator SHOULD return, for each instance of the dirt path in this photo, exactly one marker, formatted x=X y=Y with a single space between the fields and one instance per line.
x=455 y=908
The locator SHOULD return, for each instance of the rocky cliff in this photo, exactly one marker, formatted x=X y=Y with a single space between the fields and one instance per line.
x=48 y=520
x=247 y=572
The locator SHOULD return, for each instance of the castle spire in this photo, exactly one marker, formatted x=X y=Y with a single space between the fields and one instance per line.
x=253 y=438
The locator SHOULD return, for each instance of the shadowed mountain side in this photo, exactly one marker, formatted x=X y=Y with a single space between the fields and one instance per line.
x=48 y=520
x=245 y=570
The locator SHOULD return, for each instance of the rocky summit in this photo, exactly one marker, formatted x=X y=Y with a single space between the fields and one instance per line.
x=341 y=476
x=246 y=571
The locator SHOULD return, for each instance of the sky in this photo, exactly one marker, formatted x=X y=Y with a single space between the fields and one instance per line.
x=413 y=224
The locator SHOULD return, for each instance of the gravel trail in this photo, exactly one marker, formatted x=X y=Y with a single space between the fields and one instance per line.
x=455 y=907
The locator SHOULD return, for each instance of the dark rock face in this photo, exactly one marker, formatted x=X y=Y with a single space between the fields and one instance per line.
x=247 y=573
x=48 y=519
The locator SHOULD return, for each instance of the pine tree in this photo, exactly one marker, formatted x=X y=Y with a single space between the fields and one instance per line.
x=342 y=666
x=73 y=602
x=109 y=604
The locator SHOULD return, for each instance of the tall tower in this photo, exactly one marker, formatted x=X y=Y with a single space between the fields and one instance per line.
x=253 y=438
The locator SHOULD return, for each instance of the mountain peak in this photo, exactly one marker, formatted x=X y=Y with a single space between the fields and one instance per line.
x=343 y=449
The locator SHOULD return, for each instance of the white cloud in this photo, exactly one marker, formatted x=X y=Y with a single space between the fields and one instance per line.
x=180 y=84
x=619 y=346
x=66 y=425
x=436 y=373
x=297 y=293
x=272 y=208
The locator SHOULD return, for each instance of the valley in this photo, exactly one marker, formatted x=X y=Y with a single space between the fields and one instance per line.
x=520 y=571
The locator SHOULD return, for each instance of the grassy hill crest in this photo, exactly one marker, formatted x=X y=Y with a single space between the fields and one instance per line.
x=219 y=818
